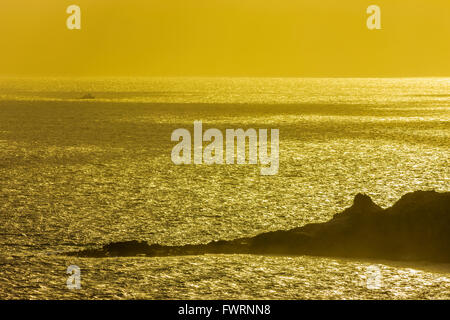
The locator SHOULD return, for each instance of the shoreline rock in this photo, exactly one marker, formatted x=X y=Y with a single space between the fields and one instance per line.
x=416 y=227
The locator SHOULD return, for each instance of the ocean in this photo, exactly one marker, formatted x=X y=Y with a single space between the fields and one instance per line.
x=84 y=162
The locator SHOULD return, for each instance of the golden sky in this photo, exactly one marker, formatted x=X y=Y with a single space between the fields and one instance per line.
x=225 y=38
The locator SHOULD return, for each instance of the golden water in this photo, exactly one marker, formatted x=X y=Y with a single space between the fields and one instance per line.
x=77 y=173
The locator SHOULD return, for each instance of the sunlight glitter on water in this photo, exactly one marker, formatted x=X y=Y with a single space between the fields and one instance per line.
x=78 y=174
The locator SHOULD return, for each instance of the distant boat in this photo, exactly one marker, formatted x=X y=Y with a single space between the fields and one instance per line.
x=87 y=96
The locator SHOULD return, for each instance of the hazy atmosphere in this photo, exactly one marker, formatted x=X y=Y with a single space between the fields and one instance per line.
x=224 y=149
x=226 y=38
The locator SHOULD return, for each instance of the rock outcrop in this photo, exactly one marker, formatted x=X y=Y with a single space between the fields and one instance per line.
x=87 y=96
x=417 y=227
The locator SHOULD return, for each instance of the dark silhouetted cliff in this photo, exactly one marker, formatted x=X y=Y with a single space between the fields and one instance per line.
x=417 y=227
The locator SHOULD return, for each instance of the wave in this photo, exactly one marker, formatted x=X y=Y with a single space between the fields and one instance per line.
x=416 y=227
